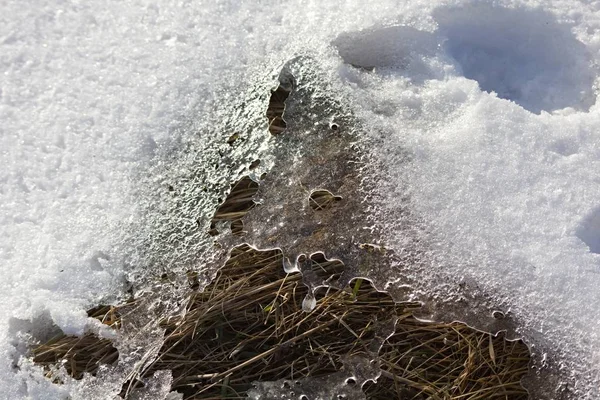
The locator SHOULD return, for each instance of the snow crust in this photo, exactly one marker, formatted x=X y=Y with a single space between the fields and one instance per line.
x=484 y=114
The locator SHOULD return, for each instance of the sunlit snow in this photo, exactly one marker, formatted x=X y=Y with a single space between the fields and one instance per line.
x=482 y=114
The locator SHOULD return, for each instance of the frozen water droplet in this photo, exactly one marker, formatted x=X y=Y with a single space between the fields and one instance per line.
x=288 y=267
x=309 y=303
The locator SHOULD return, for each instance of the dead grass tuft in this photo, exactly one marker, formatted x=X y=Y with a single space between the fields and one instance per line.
x=248 y=325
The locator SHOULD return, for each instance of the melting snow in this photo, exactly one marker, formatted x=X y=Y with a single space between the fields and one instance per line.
x=484 y=118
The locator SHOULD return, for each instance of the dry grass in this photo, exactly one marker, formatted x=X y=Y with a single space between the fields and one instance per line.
x=322 y=199
x=80 y=354
x=248 y=325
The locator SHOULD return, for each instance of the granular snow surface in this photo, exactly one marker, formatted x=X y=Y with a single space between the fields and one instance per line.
x=484 y=112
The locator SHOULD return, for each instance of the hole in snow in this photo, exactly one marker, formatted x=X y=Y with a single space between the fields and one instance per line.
x=254 y=164
x=523 y=55
x=589 y=231
x=107 y=314
x=277 y=104
x=322 y=199
x=320 y=274
x=79 y=355
x=233 y=138
x=498 y=314
x=238 y=203
x=324 y=268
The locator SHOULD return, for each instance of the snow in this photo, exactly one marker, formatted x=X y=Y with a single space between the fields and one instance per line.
x=484 y=113
x=502 y=179
x=84 y=103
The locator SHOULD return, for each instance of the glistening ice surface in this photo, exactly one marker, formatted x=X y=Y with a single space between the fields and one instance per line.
x=483 y=114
